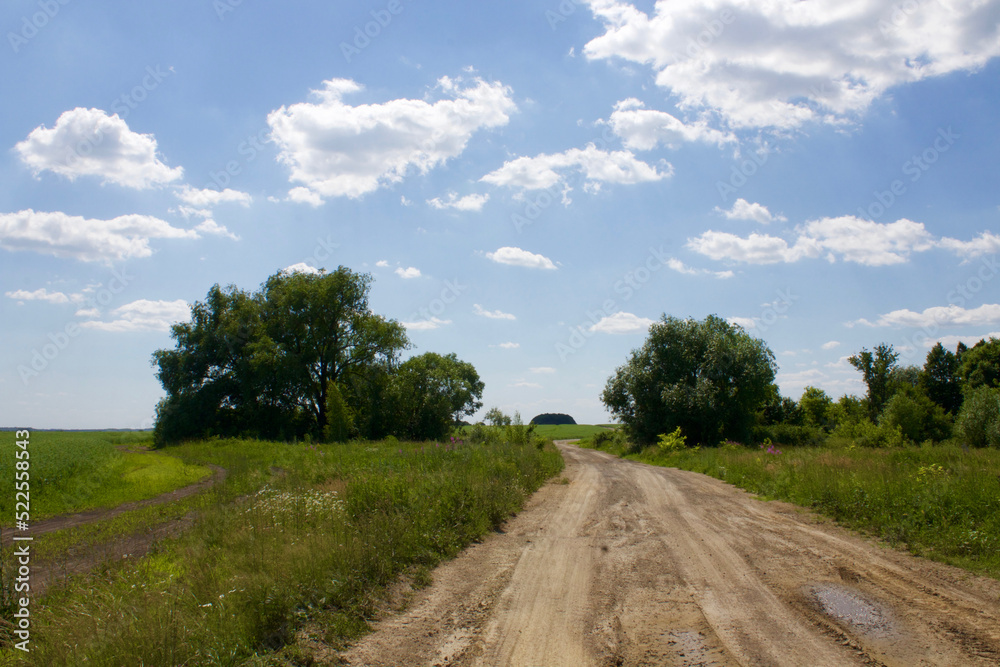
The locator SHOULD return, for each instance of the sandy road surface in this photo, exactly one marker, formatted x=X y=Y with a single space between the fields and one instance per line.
x=630 y=564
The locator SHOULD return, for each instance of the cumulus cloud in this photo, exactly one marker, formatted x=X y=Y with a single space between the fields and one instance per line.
x=830 y=345
x=301 y=267
x=87 y=240
x=468 y=203
x=643 y=129
x=987 y=243
x=143 y=315
x=507 y=346
x=41 y=294
x=89 y=142
x=942 y=316
x=621 y=323
x=382 y=263
x=847 y=238
x=744 y=210
x=339 y=150
x=519 y=257
x=491 y=314
x=542 y=369
x=425 y=325
x=952 y=342
x=597 y=166
x=408 y=273
x=209 y=226
x=209 y=197
x=677 y=265
x=784 y=63
x=302 y=195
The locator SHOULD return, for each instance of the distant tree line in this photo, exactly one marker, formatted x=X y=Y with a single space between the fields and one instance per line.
x=305 y=356
x=552 y=419
x=715 y=382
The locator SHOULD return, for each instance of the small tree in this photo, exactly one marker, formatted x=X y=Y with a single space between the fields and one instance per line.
x=940 y=378
x=916 y=416
x=339 y=415
x=978 y=423
x=877 y=369
x=815 y=406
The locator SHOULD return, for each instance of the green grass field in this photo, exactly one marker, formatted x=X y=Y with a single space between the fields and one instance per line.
x=297 y=536
x=569 y=431
x=941 y=502
x=81 y=470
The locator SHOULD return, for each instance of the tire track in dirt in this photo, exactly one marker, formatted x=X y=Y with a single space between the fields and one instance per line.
x=630 y=564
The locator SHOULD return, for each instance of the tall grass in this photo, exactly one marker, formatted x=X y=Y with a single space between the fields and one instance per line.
x=298 y=533
x=941 y=502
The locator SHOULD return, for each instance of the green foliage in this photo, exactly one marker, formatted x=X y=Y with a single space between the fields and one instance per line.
x=790 y=434
x=707 y=377
x=339 y=416
x=815 y=406
x=938 y=501
x=496 y=417
x=431 y=393
x=981 y=365
x=847 y=410
x=674 y=442
x=552 y=419
x=319 y=543
x=865 y=433
x=877 y=369
x=916 y=416
x=940 y=378
x=978 y=423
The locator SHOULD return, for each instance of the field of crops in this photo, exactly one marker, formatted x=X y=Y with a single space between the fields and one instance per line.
x=81 y=470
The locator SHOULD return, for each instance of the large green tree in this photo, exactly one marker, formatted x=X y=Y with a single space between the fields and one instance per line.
x=263 y=363
x=877 y=369
x=981 y=365
x=940 y=378
x=707 y=377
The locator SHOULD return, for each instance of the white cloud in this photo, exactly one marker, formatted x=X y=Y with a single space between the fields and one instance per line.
x=87 y=240
x=209 y=197
x=643 y=129
x=408 y=273
x=677 y=265
x=302 y=195
x=744 y=210
x=527 y=385
x=987 y=243
x=951 y=342
x=88 y=142
x=509 y=346
x=830 y=345
x=755 y=249
x=210 y=226
x=340 y=150
x=745 y=322
x=597 y=166
x=941 y=316
x=621 y=323
x=41 y=294
x=543 y=369
x=492 y=314
x=144 y=315
x=425 y=325
x=519 y=257
x=848 y=238
x=472 y=202
x=301 y=267
x=785 y=62
x=382 y=263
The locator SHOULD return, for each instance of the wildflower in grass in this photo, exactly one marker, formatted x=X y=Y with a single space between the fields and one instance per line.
x=769 y=447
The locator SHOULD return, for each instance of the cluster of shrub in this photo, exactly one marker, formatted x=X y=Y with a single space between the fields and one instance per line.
x=954 y=396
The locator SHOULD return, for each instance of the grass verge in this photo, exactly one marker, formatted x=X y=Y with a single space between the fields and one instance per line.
x=941 y=502
x=296 y=533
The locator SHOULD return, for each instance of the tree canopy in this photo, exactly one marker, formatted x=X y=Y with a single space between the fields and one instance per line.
x=304 y=355
x=707 y=377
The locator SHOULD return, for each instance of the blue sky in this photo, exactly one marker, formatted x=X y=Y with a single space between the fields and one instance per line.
x=530 y=184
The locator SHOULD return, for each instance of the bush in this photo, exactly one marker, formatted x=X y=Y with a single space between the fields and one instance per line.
x=674 y=442
x=916 y=416
x=866 y=433
x=978 y=423
x=790 y=435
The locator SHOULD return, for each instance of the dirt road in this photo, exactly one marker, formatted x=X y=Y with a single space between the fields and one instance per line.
x=635 y=565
